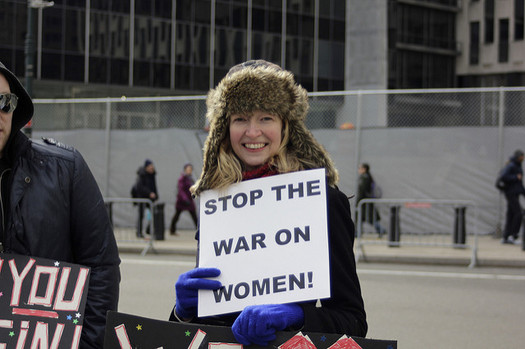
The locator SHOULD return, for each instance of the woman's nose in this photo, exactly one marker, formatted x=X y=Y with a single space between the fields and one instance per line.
x=253 y=129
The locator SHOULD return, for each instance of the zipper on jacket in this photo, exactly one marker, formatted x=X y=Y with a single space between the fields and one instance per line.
x=2 y=237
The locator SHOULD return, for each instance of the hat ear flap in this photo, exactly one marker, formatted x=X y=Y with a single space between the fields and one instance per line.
x=310 y=151
x=219 y=129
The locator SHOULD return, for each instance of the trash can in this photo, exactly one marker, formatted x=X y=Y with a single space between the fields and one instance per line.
x=459 y=225
x=158 y=221
x=395 y=231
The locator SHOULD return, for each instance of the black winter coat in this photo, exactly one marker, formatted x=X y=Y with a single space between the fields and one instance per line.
x=509 y=175
x=364 y=191
x=344 y=311
x=56 y=211
x=146 y=184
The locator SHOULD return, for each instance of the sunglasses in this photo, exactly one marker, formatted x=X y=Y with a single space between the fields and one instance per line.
x=8 y=102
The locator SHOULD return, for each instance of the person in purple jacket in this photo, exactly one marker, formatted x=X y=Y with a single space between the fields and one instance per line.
x=184 y=200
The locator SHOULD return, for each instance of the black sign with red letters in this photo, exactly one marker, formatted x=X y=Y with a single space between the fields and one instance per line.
x=124 y=331
x=42 y=302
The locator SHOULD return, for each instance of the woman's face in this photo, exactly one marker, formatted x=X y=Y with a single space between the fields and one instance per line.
x=255 y=138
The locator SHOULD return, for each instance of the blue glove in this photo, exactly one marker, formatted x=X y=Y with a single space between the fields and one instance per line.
x=187 y=288
x=257 y=324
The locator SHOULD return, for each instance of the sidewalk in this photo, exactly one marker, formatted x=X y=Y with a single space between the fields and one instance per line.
x=490 y=252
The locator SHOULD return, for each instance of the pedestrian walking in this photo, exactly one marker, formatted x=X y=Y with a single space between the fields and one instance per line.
x=145 y=188
x=511 y=176
x=184 y=201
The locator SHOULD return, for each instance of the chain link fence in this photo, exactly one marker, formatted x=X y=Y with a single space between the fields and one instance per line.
x=420 y=144
x=329 y=110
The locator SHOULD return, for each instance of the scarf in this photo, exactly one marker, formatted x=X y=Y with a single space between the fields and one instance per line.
x=265 y=170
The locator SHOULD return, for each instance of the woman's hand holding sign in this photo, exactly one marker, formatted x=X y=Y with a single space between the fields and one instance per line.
x=257 y=324
x=187 y=288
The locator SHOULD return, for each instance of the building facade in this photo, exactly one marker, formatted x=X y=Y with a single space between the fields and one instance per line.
x=422 y=43
x=87 y=48
x=99 y=48
x=493 y=47
x=401 y=44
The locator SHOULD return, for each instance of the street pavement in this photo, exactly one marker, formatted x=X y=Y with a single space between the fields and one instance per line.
x=485 y=252
x=442 y=304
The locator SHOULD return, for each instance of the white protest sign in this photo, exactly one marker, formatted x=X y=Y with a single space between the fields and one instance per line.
x=269 y=238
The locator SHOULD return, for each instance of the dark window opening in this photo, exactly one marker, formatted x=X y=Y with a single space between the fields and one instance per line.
x=518 y=19
x=489 y=21
x=474 y=43
x=503 y=46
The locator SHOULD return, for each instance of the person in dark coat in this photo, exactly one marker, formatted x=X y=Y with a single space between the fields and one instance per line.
x=184 y=200
x=364 y=191
x=257 y=129
x=512 y=175
x=146 y=188
x=52 y=208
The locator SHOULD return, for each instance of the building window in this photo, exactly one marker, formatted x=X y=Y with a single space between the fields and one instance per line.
x=426 y=27
x=503 y=46
x=518 y=19
x=110 y=28
x=474 y=43
x=423 y=70
x=489 y=21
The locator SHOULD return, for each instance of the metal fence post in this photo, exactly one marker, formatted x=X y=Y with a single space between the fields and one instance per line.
x=501 y=125
x=360 y=252
x=358 y=139
x=459 y=235
x=108 y=142
x=395 y=231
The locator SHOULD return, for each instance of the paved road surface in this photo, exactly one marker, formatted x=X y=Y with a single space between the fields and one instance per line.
x=420 y=306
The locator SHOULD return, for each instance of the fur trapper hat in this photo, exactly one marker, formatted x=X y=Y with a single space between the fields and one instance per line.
x=259 y=85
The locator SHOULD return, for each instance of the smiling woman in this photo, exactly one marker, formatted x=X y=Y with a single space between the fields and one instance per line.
x=257 y=129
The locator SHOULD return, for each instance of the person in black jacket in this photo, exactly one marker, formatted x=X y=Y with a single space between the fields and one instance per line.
x=257 y=129
x=512 y=175
x=364 y=191
x=52 y=208
x=146 y=188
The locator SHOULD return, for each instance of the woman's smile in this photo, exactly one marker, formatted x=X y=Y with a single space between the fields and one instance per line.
x=254 y=146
